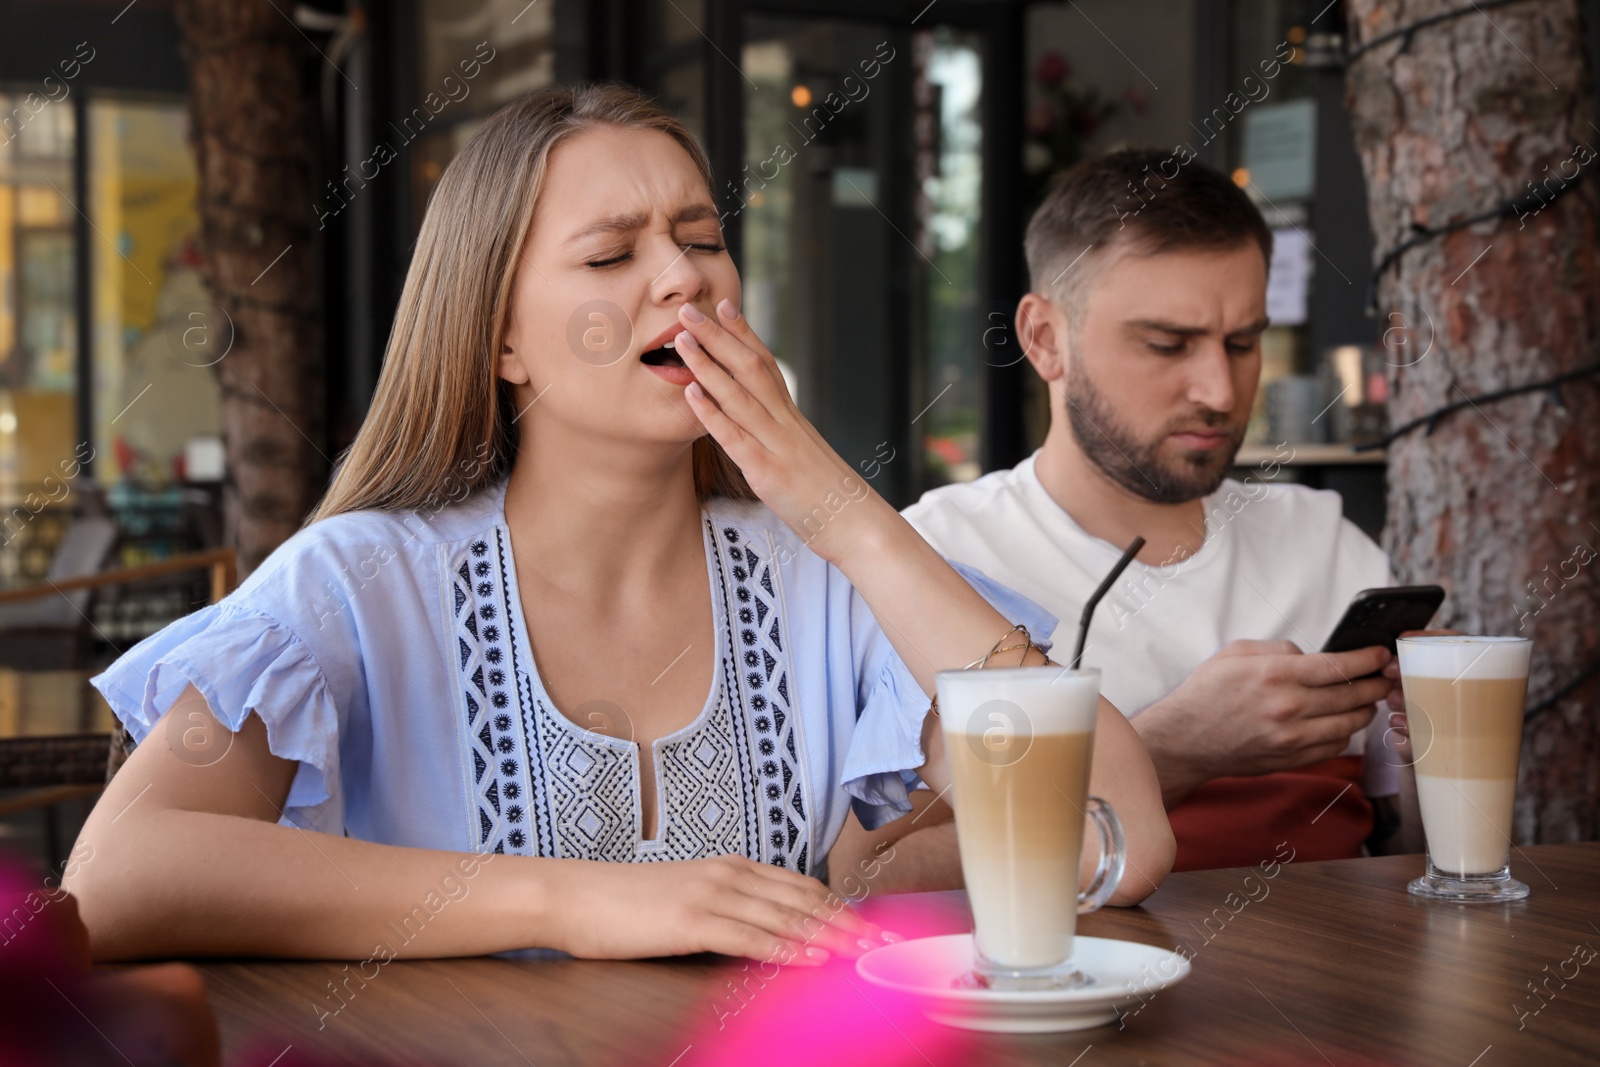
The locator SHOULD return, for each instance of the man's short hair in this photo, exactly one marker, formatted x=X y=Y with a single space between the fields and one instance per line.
x=1159 y=201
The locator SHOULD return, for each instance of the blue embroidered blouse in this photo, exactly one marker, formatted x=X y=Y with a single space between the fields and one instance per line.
x=386 y=653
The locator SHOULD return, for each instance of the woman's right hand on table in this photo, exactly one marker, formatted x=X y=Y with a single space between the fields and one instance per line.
x=726 y=904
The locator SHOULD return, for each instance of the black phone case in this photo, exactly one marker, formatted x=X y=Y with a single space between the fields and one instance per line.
x=1379 y=616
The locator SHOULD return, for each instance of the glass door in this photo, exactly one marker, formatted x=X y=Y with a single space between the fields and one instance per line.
x=828 y=227
x=949 y=163
x=863 y=161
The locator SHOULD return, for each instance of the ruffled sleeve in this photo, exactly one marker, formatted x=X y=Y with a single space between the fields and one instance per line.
x=886 y=746
x=242 y=661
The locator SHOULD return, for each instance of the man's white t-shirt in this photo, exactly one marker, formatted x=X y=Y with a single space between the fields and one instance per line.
x=1279 y=562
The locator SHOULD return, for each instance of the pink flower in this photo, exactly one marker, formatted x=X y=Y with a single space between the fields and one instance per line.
x=1041 y=119
x=1137 y=99
x=1053 y=69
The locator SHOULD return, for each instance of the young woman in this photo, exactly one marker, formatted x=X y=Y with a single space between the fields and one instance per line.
x=550 y=666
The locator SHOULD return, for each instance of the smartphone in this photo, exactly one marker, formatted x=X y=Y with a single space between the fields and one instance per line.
x=1379 y=616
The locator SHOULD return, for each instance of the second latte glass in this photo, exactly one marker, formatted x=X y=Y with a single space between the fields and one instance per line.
x=1020 y=741
x=1464 y=705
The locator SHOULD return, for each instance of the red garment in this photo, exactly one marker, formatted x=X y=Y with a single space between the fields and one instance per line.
x=1319 y=810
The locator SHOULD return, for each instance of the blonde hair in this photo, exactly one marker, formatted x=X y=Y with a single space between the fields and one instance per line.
x=440 y=424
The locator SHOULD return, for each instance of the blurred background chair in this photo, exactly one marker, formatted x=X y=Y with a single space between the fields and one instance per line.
x=58 y=738
x=41 y=630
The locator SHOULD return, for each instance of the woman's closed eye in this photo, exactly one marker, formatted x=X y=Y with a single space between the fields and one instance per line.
x=709 y=247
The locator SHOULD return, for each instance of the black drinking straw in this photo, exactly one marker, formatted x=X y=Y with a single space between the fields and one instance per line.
x=1094 y=599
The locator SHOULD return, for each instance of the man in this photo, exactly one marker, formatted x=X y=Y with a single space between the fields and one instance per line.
x=1145 y=322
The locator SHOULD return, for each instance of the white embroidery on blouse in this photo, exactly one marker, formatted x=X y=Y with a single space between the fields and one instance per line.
x=731 y=782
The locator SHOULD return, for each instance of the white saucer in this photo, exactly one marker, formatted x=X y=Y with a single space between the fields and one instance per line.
x=1123 y=972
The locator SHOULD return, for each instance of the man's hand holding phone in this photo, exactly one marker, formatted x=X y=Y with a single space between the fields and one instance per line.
x=1256 y=707
x=1382 y=617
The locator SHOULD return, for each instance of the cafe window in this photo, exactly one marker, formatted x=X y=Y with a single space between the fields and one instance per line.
x=948 y=89
x=678 y=65
x=38 y=327
x=129 y=413
x=473 y=57
x=823 y=200
x=155 y=393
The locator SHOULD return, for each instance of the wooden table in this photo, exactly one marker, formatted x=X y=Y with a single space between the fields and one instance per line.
x=1320 y=963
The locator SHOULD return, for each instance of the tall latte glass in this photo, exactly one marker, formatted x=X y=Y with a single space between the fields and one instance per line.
x=1019 y=741
x=1464 y=703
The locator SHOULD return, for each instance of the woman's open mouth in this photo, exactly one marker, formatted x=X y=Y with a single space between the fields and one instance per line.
x=665 y=356
x=665 y=363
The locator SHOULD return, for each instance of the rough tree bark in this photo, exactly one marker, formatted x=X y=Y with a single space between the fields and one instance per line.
x=1501 y=504
x=254 y=116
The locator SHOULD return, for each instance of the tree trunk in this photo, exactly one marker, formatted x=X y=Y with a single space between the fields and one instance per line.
x=254 y=115
x=1501 y=504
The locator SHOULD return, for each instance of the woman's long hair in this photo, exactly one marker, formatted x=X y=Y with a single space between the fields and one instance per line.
x=440 y=424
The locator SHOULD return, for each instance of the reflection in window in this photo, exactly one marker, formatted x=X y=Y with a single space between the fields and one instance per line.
x=156 y=334
x=948 y=91
x=476 y=55
x=38 y=329
x=767 y=213
x=480 y=54
x=678 y=53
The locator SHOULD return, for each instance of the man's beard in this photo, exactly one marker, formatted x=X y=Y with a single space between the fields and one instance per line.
x=1134 y=464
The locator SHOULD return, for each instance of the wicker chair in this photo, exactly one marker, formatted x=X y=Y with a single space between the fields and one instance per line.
x=52 y=769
